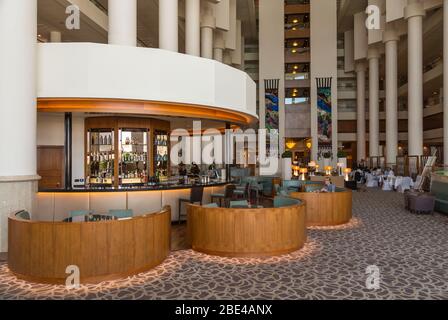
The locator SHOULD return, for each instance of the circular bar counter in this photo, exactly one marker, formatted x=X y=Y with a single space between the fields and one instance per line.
x=102 y=250
x=326 y=209
x=247 y=232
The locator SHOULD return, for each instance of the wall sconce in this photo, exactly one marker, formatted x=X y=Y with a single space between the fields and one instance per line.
x=290 y=144
x=309 y=145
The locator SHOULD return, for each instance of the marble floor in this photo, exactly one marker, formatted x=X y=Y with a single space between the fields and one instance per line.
x=409 y=251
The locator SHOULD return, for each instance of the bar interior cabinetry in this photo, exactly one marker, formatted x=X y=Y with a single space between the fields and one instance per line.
x=118 y=151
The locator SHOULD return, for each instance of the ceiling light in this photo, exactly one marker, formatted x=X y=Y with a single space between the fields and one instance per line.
x=296 y=67
x=295 y=21
x=295 y=44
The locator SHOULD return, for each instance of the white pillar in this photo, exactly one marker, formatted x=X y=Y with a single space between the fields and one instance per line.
x=123 y=22
x=55 y=36
x=445 y=81
x=168 y=25
x=218 y=46
x=361 y=110
x=18 y=31
x=391 y=42
x=193 y=27
x=207 y=27
x=374 y=79
x=414 y=13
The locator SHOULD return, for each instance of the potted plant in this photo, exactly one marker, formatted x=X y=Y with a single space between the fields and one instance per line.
x=287 y=165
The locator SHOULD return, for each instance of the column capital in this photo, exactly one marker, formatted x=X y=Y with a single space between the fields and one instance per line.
x=373 y=53
x=390 y=35
x=208 y=21
x=414 y=9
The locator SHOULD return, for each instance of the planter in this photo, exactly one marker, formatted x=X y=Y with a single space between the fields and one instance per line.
x=342 y=161
x=287 y=168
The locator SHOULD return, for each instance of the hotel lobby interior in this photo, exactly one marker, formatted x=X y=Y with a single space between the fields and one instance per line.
x=241 y=150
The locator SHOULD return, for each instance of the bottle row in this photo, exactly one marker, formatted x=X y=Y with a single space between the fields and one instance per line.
x=101 y=156
x=134 y=157
x=161 y=140
x=102 y=139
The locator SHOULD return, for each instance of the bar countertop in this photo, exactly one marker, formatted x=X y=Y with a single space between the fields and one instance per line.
x=158 y=187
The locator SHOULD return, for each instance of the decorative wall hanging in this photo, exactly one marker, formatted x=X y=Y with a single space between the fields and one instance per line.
x=271 y=88
x=324 y=115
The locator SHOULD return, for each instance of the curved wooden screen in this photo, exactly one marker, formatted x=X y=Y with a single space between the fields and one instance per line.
x=326 y=209
x=103 y=250
x=246 y=232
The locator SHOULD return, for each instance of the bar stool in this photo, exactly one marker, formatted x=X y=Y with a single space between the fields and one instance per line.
x=226 y=196
x=196 y=194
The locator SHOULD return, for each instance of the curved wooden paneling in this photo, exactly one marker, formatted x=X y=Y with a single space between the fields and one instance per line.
x=246 y=232
x=326 y=209
x=155 y=108
x=103 y=250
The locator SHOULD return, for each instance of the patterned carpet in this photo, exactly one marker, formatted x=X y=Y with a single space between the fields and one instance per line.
x=411 y=252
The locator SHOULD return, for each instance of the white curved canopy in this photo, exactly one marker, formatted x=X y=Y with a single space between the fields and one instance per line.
x=88 y=70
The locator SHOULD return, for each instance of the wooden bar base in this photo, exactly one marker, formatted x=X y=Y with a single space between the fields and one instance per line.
x=247 y=232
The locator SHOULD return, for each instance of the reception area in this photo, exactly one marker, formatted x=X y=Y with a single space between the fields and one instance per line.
x=202 y=150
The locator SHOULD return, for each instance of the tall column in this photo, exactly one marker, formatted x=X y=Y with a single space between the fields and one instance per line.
x=123 y=22
x=361 y=110
x=414 y=13
x=168 y=25
x=374 y=104
x=55 y=36
x=18 y=177
x=208 y=24
x=218 y=46
x=391 y=42
x=193 y=27
x=445 y=81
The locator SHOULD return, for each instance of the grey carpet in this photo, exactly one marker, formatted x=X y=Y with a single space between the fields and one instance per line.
x=410 y=251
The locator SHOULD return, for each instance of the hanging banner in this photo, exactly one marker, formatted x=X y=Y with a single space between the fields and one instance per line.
x=324 y=114
x=271 y=104
x=272 y=109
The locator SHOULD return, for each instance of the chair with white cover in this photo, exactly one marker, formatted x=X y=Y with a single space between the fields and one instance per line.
x=388 y=184
x=406 y=184
x=372 y=181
